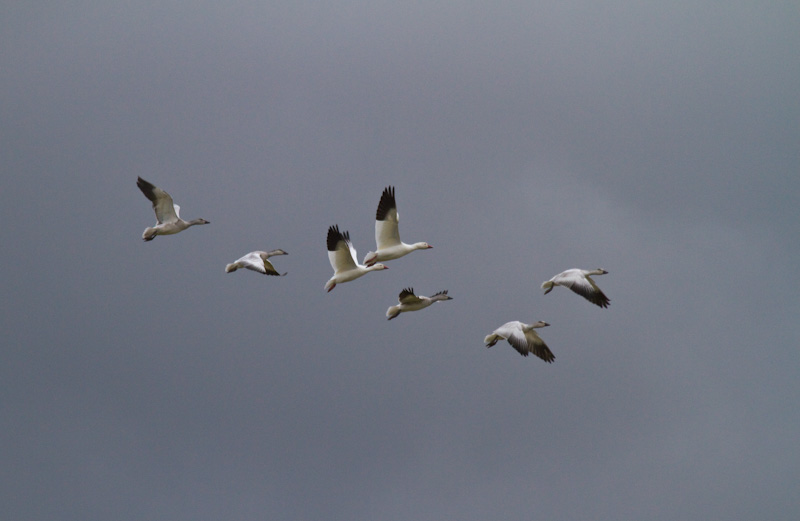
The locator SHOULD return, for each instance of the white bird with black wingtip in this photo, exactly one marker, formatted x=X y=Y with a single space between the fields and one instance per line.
x=167 y=212
x=523 y=338
x=408 y=301
x=579 y=281
x=257 y=261
x=387 y=232
x=342 y=256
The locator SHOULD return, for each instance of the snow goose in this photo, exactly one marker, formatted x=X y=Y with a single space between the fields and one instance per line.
x=342 y=255
x=411 y=302
x=257 y=261
x=167 y=212
x=581 y=283
x=523 y=338
x=387 y=233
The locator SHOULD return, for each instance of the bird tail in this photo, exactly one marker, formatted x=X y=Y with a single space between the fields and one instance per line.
x=230 y=267
x=547 y=286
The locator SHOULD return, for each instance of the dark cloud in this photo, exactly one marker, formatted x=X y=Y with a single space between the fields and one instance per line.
x=658 y=142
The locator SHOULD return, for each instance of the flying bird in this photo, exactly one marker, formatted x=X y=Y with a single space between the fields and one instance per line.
x=411 y=302
x=257 y=261
x=342 y=255
x=523 y=338
x=167 y=212
x=581 y=283
x=387 y=233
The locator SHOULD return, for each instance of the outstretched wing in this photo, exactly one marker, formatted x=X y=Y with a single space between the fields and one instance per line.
x=266 y=266
x=586 y=288
x=341 y=253
x=536 y=346
x=407 y=296
x=524 y=342
x=163 y=206
x=387 y=231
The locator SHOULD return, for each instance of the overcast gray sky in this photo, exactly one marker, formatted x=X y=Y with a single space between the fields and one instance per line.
x=657 y=140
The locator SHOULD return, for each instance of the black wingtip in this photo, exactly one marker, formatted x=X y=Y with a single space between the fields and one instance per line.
x=406 y=292
x=334 y=236
x=147 y=188
x=386 y=203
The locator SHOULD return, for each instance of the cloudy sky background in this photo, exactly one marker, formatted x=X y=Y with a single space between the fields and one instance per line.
x=657 y=140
